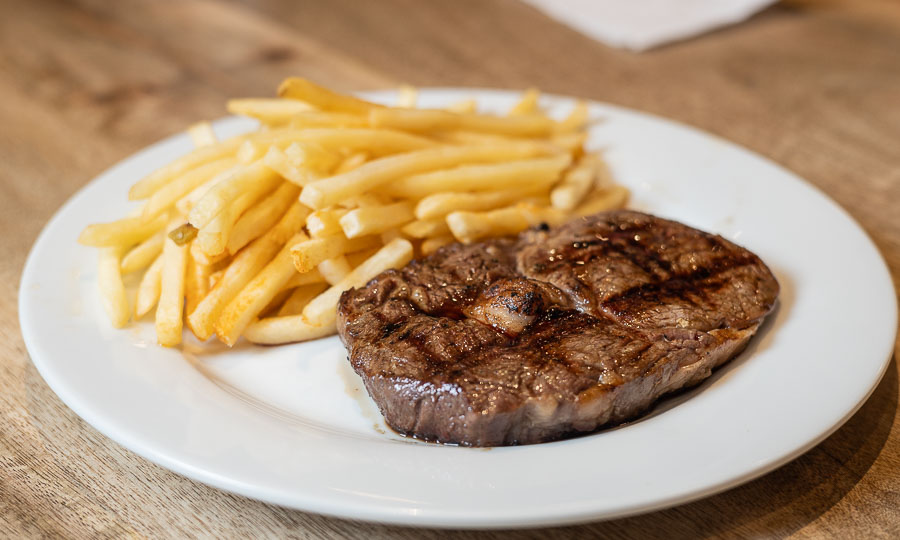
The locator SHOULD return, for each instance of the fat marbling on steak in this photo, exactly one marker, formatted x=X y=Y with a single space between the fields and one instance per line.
x=557 y=332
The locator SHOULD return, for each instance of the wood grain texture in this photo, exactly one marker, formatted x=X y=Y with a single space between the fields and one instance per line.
x=813 y=85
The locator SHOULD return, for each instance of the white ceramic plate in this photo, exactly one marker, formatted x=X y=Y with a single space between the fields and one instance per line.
x=292 y=425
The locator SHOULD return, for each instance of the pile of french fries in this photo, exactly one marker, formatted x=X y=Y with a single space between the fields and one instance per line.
x=258 y=235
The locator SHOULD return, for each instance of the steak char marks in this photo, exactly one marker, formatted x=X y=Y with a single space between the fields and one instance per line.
x=557 y=332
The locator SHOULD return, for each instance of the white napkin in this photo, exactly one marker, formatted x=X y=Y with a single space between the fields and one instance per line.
x=642 y=24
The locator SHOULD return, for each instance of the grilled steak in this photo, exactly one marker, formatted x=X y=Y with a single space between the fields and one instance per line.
x=557 y=332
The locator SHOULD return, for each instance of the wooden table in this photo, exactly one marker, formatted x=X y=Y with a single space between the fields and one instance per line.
x=814 y=86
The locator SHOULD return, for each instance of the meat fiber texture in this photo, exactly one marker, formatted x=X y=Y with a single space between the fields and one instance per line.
x=558 y=332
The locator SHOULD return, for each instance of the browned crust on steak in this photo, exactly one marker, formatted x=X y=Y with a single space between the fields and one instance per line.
x=558 y=332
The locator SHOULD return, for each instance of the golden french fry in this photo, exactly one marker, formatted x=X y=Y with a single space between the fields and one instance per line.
x=321 y=310
x=245 y=265
x=378 y=142
x=143 y=254
x=209 y=260
x=322 y=223
x=323 y=98
x=268 y=111
x=286 y=329
x=309 y=254
x=306 y=278
x=202 y=134
x=255 y=178
x=121 y=233
x=334 y=269
x=196 y=284
x=257 y=220
x=423 y=120
x=439 y=205
x=314 y=119
x=430 y=245
x=152 y=182
x=601 y=201
x=576 y=120
x=358 y=257
x=368 y=220
x=256 y=295
x=424 y=228
x=186 y=202
x=525 y=174
x=528 y=103
x=300 y=296
x=352 y=162
x=170 y=308
x=575 y=184
x=181 y=185
x=329 y=191
x=278 y=161
x=470 y=227
x=112 y=290
x=407 y=96
x=466 y=106
x=148 y=289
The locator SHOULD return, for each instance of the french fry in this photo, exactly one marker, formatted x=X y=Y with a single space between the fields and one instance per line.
x=470 y=227
x=148 y=289
x=423 y=120
x=256 y=295
x=121 y=233
x=528 y=103
x=278 y=161
x=613 y=197
x=180 y=186
x=466 y=106
x=261 y=217
x=314 y=119
x=378 y=142
x=196 y=284
x=430 y=245
x=143 y=254
x=576 y=120
x=152 y=182
x=312 y=156
x=255 y=178
x=575 y=184
x=187 y=202
x=112 y=290
x=334 y=269
x=425 y=228
x=373 y=174
x=213 y=238
x=439 y=205
x=202 y=134
x=368 y=220
x=309 y=254
x=245 y=265
x=268 y=111
x=286 y=329
x=170 y=308
x=306 y=278
x=322 y=223
x=407 y=96
x=209 y=260
x=321 y=310
x=351 y=162
x=533 y=173
x=300 y=296
x=323 y=98
x=250 y=151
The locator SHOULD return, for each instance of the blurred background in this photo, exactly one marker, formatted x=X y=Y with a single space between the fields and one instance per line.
x=811 y=84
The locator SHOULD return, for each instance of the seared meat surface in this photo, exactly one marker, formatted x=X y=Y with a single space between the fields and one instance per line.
x=557 y=332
